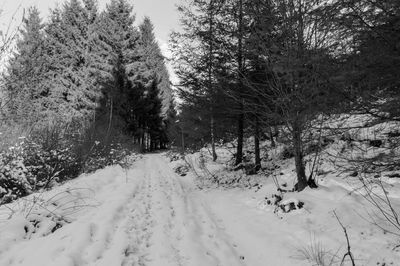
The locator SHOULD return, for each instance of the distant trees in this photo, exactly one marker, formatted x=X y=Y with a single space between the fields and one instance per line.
x=158 y=98
x=89 y=68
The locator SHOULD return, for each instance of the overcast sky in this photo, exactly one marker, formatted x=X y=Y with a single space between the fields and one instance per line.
x=163 y=13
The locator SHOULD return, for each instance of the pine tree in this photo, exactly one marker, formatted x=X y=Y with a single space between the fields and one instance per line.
x=155 y=73
x=259 y=43
x=24 y=93
x=302 y=66
x=155 y=60
x=152 y=116
x=369 y=35
x=201 y=62
x=122 y=100
x=74 y=55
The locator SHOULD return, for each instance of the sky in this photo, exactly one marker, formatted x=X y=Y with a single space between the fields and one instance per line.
x=162 y=13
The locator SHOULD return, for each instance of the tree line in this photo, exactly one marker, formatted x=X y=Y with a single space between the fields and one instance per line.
x=85 y=84
x=84 y=68
x=253 y=66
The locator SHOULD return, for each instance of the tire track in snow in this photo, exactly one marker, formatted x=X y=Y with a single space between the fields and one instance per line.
x=124 y=237
x=163 y=252
x=139 y=230
x=156 y=219
x=194 y=236
x=107 y=239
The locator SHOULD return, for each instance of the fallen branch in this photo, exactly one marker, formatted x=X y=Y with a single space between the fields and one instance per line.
x=348 y=253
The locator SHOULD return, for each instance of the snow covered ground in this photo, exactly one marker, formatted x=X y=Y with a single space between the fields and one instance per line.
x=149 y=215
x=146 y=216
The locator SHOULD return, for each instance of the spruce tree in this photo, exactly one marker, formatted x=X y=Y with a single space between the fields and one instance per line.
x=121 y=100
x=155 y=73
x=25 y=71
x=156 y=61
x=74 y=55
x=202 y=63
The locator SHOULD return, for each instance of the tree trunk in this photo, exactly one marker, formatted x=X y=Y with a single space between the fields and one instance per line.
x=298 y=156
x=147 y=141
x=183 y=142
x=142 y=139
x=214 y=154
x=257 y=145
x=152 y=144
x=239 y=150
x=109 y=122
x=210 y=76
x=271 y=136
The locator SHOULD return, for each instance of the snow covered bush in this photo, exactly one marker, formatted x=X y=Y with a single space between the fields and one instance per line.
x=42 y=214
x=101 y=156
x=50 y=165
x=316 y=254
x=15 y=178
x=27 y=166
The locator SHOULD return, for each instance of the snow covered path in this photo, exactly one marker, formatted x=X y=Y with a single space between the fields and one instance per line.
x=151 y=216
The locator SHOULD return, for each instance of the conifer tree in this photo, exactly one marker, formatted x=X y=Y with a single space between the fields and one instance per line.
x=301 y=75
x=369 y=35
x=25 y=71
x=156 y=61
x=121 y=99
x=155 y=73
x=74 y=60
x=202 y=64
x=259 y=43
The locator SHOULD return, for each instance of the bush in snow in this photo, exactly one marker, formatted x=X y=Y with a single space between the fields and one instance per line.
x=40 y=161
x=15 y=179
x=102 y=156
x=50 y=165
x=28 y=166
x=316 y=254
x=39 y=216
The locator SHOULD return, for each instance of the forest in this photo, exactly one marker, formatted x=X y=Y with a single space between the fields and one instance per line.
x=278 y=142
x=80 y=92
x=266 y=69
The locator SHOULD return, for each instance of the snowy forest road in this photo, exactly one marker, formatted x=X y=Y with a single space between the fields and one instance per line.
x=147 y=216
x=181 y=230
